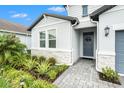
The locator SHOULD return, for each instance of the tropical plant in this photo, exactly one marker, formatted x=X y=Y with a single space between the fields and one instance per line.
x=60 y=68
x=42 y=68
x=42 y=59
x=42 y=84
x=51 y=60
x=30 y=64
x=17 y=61
x=52 y=74
x=4 y=83
x=10 y=45
x=35 y=58
x=15 y=76
x=110 y=74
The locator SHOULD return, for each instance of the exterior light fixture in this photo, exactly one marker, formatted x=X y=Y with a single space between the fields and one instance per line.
x=107 y=29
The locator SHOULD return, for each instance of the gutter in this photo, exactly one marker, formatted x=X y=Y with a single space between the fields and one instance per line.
x=96 y=22
x=76 y=23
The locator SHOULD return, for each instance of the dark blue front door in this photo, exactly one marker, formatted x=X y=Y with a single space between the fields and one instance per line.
x=88 y=44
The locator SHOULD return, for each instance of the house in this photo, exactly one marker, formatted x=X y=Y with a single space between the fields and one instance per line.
x=17 y=29
x=89 y=31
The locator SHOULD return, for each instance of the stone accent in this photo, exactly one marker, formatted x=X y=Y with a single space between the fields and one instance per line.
x=62 y=57
x=105 y=60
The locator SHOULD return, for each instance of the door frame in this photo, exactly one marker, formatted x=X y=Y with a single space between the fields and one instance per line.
x=93 y=57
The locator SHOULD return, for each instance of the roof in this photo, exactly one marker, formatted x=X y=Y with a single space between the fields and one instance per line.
x=69 y=18
x=99 y=11
x=10 y=26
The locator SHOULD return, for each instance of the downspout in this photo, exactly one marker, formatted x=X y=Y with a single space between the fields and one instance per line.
x=76 y=23
x=96 y=22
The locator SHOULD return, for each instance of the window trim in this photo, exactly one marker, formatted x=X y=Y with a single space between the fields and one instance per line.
x=83 y=11
x=51 y=39
x=46 y=39
x=42 y=39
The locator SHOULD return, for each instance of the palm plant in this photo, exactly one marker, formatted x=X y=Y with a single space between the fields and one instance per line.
x=10 y=45
x=30 y=64
x=42 y=68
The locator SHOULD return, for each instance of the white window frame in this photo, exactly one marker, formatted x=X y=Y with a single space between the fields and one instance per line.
x=84 y=15
x=51 y=39
x=42 y=39
x=47 y=39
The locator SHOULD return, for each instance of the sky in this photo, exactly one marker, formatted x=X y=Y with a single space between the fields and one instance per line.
x=27 y=14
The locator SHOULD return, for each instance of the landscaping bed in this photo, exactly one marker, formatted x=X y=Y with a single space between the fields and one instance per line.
x=109 y=75
x=18 y=69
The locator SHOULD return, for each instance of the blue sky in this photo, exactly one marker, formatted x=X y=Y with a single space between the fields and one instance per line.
x=26 y=14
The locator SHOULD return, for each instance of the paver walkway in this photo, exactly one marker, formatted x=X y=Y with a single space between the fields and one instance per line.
x=82 y=75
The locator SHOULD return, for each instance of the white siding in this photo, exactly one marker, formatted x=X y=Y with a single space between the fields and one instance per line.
x=62 y=33
x=76 y=11
x=113 y=18
x=110 y=18
x=75 y=45
x=63 y=50
x=25 y=40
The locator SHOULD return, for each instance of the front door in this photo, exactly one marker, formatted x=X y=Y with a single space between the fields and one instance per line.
x=88 y=44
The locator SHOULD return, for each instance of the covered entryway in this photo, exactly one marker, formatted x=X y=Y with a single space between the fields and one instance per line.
x=119 y=48
x=88 y=44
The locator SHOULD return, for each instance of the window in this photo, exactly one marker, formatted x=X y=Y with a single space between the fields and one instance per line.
x=85 y=10
x=42 y=39
x=52 y=38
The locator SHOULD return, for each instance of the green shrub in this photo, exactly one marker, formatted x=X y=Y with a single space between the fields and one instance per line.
x=42 y=68
x=10 y=45
x=35 y=58
x=42 y=84
x=110 y=74
x=30 y=64
x=42 y=59
x=4 y=83
x=52 y=74
x=51 y=60
x=29 y=51
x=60 y=68
x=15 y=76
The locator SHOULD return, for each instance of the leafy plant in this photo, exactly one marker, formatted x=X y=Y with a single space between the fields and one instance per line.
x=42 y=59
x=60 y=68
x=52 y=74
x=17 y=60
x=42 y=68
x=110 y=74
x=42 y=84
x=52 y=61
x=30 y=64
x=10 y=45
x=4 y=83
x=35 y=58
x=14 y=76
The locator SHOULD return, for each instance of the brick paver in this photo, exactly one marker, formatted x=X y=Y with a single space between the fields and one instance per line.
x=83 y=75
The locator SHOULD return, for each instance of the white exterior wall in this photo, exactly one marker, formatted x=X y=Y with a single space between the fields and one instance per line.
x=62 y=52
x=75 y=45
x=113 y=18
x=76 y=11
x=25 y=39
